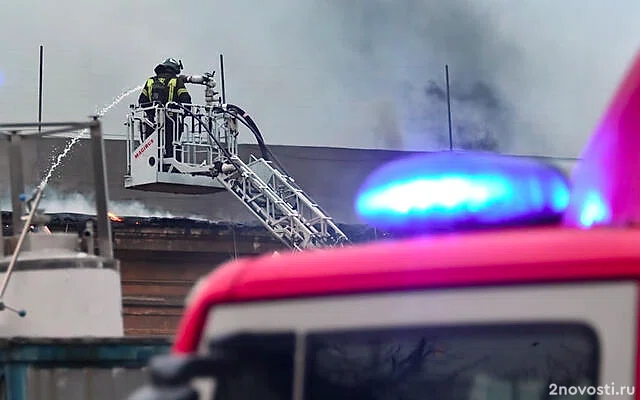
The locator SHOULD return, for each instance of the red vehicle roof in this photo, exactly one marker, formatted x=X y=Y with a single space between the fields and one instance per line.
x=516 y=256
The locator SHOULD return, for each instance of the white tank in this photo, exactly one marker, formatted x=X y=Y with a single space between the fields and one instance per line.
x=63 y=292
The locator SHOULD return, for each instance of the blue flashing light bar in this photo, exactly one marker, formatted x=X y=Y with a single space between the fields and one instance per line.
x=462 y=190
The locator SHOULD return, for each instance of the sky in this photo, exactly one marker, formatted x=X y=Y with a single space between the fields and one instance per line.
x=527 y=76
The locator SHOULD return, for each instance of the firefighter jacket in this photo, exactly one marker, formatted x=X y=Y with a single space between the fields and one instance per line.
x=164 y=88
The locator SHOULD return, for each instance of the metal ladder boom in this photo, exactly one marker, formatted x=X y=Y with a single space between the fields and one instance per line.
x=282 y=207
x=204 y=140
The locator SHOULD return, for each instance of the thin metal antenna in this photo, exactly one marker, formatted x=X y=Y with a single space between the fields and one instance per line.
x=224 y=96
x=446 y=74
x=40 y=90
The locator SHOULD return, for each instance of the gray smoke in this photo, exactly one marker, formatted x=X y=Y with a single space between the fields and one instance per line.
x=55 y=202
x=517 y=84
x=338 y=73
x=404 y=45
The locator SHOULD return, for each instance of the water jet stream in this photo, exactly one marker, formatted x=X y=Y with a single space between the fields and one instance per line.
x=79 y=135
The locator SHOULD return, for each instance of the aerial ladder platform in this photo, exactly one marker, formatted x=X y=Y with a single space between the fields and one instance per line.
x=205 y=160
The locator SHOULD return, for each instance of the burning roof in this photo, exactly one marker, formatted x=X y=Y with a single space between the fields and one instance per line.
x=71 y=222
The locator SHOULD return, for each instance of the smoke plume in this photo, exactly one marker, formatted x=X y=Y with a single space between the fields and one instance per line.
x=530 y=76
x=54 y=202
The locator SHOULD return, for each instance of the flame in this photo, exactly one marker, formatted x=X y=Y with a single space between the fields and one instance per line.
x=114 y=217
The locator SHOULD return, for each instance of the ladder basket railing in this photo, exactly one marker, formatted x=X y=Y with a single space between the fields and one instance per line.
x=193 y=130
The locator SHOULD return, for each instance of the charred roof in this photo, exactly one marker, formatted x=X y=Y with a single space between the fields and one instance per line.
x=70 y=222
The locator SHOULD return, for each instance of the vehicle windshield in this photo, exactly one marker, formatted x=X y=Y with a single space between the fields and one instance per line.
x=497 y=362
x=466 y=362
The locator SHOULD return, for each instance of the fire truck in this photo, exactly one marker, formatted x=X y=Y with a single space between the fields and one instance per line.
x=506 y=280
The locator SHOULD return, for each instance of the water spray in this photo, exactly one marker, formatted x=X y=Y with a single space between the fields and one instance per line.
x=79 y=135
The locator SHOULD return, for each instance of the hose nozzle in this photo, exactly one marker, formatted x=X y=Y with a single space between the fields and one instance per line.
x=205 y=79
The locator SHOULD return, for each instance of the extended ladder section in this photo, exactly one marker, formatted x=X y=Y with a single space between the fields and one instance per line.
x=285 y=209
x=193 y=149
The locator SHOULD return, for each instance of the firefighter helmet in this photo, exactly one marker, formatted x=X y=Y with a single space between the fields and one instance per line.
x=169 y=65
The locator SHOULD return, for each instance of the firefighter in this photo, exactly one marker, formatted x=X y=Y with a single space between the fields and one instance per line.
x=165 y=87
